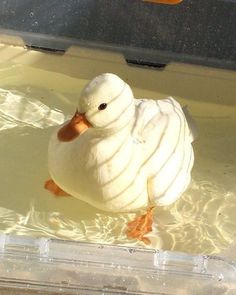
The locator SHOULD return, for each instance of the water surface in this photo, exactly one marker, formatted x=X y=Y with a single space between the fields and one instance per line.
x=202 y=221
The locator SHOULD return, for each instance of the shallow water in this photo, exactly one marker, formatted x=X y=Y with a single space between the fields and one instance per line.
x=202 y=221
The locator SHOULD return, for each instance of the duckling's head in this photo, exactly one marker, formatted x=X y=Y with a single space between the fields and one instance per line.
x=106 y=102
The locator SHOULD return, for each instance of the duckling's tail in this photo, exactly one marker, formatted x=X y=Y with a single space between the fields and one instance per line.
x=191 y=123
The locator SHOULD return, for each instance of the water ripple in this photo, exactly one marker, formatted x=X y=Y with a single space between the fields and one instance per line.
x=200 y=222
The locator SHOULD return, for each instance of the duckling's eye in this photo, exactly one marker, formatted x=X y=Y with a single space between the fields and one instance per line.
x=102 y=106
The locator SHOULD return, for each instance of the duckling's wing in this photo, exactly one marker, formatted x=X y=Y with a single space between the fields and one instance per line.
x=151 y=123
x=151 y=115
x=146 y=116
x=167 y=153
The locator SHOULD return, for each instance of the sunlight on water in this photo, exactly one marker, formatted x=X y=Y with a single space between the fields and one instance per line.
x=202 y=221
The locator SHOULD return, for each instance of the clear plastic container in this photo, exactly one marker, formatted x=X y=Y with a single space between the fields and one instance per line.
x=62 y=267
x=39 y=264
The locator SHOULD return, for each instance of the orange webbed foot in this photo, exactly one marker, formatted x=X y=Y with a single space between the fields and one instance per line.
x=140 y=226
x=55 y=189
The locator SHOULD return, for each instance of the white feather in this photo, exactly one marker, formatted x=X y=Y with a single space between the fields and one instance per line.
x=138 y=153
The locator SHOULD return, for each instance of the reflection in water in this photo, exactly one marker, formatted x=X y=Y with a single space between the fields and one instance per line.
x=18 y=110
x=202 y=221
x=196 y=222
x=101 y=228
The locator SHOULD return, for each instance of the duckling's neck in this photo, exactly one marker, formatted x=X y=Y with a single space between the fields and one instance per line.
x=118 y=130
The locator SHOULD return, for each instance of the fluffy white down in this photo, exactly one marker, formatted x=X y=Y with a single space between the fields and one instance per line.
x=137 y=153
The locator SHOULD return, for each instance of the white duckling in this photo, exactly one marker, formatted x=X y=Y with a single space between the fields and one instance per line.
x=121 y=154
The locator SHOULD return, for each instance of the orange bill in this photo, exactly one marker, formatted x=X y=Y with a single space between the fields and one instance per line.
x=76 y=126
x=170 y=2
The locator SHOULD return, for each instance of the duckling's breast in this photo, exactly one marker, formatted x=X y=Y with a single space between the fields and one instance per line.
x=103 y=171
